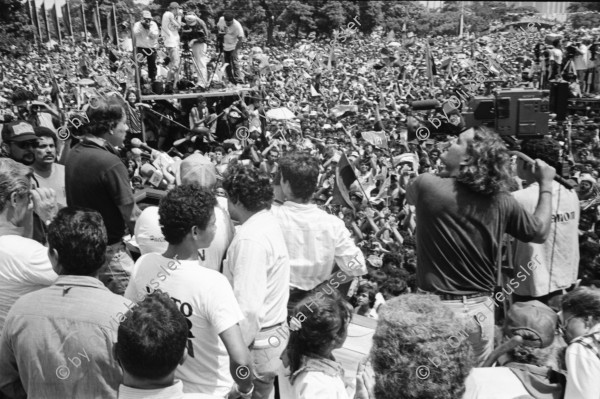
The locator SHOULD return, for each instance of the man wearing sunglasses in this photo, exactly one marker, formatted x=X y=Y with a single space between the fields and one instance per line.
x=19 y=142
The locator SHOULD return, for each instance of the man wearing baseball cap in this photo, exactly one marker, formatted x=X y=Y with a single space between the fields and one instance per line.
x=171 y=22
x=528 y=368
x=19 y=142
x=146 y=41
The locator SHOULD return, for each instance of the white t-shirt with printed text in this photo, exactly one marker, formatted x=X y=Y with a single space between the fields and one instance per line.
x=206 y=298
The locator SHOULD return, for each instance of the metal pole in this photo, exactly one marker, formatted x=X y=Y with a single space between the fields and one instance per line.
x=33 y=21
x=70 y=20
x=84 y=21
x=137 y=74
x=99 y=23
x=462 y=18
x=115 y=24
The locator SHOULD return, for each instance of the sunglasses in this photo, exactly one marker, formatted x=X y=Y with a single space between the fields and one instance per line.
x=25 y=144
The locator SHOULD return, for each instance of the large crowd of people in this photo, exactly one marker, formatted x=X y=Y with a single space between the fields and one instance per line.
x=319 y=180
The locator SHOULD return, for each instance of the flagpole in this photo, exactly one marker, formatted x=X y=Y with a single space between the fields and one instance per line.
x=115 y=24
x=57 y=24
x=33 y=21
x=70 y=20
x=462 y=18
x=46 y=21
x=99 y=23
x=84 y=21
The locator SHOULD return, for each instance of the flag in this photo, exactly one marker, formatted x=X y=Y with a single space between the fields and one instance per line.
x=378 y=139
x=391 y=36
x=66 y=15
x=43 y=11
x=116 y=27
x=344 y=177
x=340 y=111
x=430 y=64
x=407 y=157
x=109 y=29
x=56 y=23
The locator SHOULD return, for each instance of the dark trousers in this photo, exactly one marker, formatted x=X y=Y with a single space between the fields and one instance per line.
x=150 y=55
x=233 y=69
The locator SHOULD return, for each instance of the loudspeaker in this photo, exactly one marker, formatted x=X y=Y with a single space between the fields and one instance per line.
x=559 y=99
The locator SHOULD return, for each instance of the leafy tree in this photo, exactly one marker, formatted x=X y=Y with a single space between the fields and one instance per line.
x=582 y=6
x=15 y=25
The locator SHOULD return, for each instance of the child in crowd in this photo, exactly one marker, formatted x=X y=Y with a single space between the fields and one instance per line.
x=319 y=326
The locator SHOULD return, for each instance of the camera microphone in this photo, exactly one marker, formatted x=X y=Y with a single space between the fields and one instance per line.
x=425 y=105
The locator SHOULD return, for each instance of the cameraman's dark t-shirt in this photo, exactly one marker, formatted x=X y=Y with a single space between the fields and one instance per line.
x=458 y=234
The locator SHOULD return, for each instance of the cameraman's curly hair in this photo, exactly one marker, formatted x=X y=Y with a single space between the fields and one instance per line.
x=413 y=332
x=249 y=186
x=488 y=173
x=103 y=114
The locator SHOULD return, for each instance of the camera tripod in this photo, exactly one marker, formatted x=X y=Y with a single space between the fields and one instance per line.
x=186 y=62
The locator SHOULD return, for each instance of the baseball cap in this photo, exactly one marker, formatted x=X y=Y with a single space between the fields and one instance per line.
x=197 y=169
x=533 y=321
x=584 y=177
x=228 y=16
x=174 y=4
x=18 y=131
x=146 y=14
x=354 y=154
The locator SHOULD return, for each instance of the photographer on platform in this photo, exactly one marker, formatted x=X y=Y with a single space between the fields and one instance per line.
x=194 y=34
x=171 y=22
x=146 y=41
x=231 y=37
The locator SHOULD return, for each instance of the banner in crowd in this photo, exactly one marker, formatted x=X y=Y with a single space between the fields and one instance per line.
x=378 y=139
x=344 y=177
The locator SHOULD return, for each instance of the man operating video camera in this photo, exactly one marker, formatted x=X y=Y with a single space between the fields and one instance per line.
x=194 y=35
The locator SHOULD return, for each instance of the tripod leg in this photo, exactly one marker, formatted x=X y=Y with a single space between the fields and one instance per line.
x=215 y=70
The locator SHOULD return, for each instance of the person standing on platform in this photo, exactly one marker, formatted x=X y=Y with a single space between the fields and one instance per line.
x=231 y=37
x=146 y=41
x=196 y=33
x=171 y=23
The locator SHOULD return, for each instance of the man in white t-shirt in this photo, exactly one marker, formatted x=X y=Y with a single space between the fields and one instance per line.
x=554 y=264
x=231 y=37
x=171 y=22
x=24 y=263
x=195 y=169
x=258 y=267
x=215 y=350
